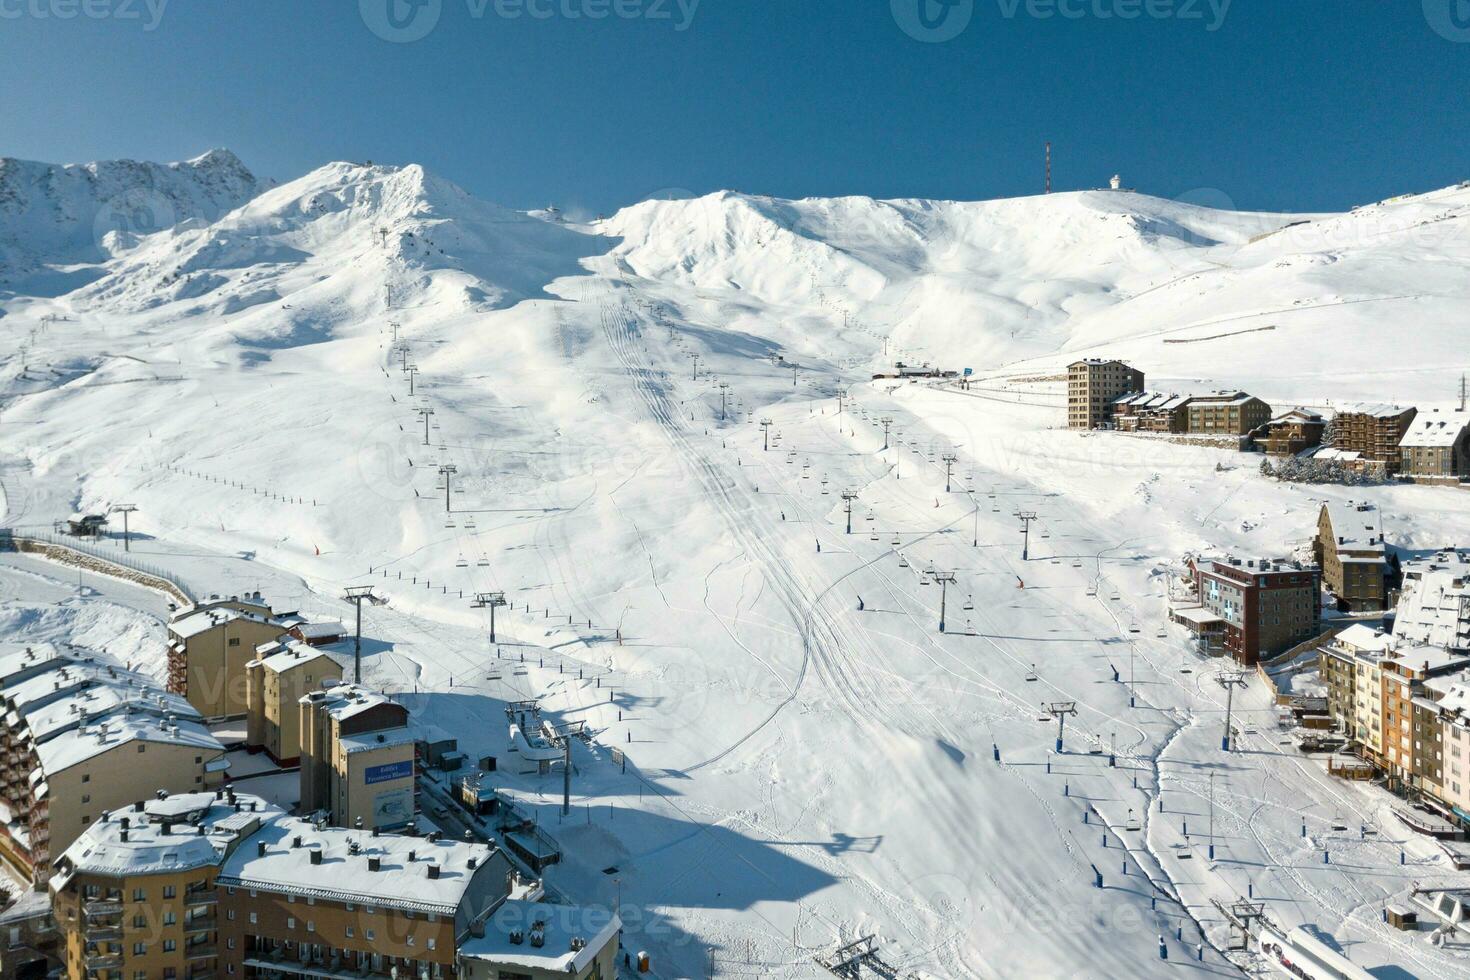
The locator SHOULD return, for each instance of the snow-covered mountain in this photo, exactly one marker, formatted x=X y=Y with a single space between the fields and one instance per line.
x=71 y=215
x=812 y=759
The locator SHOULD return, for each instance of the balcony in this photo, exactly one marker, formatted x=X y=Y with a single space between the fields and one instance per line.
x=98 y=907
x=324 y=969
x=104 y=934
x=202 y=897
x=203 y=923
x=200 y=951
x=103 y=961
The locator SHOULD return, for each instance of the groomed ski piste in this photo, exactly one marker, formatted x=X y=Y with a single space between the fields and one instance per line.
x=808 y=758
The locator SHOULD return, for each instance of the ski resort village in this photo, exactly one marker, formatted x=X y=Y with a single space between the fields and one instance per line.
x=398 y=585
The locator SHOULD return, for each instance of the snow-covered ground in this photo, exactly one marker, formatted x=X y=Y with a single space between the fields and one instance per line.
x=808 y=757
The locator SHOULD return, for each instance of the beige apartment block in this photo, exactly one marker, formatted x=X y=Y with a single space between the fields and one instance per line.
x=208 y=648
x=82 y=736
x=1092 y=387
x=357 y=758
x=275 y=682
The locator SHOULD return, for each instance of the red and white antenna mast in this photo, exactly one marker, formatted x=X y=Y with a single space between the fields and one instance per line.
x=1048 y=166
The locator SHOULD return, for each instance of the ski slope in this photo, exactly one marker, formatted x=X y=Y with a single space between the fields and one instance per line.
x=809 y=758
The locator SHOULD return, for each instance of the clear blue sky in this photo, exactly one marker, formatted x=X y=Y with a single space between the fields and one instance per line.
x=1289 y=104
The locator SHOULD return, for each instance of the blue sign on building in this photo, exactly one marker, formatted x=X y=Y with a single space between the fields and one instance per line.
x=393 y=770
x=969 y=371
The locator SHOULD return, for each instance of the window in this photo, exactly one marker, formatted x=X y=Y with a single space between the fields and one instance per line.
x=432 y=943
x=230 y=914
x=86 y=777
x=140 y=921
x=140 y=894
x=290 y=922
x=369 y=935
x=169 y=891
x=170 y=918
x=351 y=932
x=86 y=798
x=310 y=926
x=230 y=943
x=234 y=641
x=253 y=918
x=170 y=945
x=142 y=748
x=139 y=949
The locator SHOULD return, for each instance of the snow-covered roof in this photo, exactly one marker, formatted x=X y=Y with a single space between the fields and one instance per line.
x=318 y=631
x=279 y=657
x=1221 y=398
x=1376 y=645
x=1334 y=454
x=403 y=878
x=387 y=738
x=1297 y=415
x=1355 y=526
x=190 y=624
x=347 y=700
x=78 y=707
x=1434 y=604
x=570 y=936
x=16 y=659
x=1379 y=410
x=1365 y=639
x=80 y=744
x=173 y=834
x=1436 y=429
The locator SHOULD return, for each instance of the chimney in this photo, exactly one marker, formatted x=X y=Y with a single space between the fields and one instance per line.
x=260 y=848
x=472 y=862
x=433 y=871
x=296 y=841
x=316 y=856
x=123 y=835
x=166 y=829
x=375 y=863
x=412 y=855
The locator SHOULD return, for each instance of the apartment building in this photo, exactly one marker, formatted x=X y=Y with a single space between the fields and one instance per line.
x=137 y=897
x=1390 y=704
x=1437 y=446
x=1455 y=716
x=81 y=736
x=1290 y=433
x=1225 y=413
x=205 y=886
x=209 y=645
x=1353 y=555
x=1259 y=608
x=1434 y=601
x=1150 y=411
x=1092 y=387
x=282 y=673
x=525 y=940
x=357 y=758
x=1374 y=432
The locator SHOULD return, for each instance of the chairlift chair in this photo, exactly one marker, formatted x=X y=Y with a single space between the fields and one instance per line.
x=903 y=562
x=969 y=603
x=483 y=563
x=1031 y=676
x=461 y=563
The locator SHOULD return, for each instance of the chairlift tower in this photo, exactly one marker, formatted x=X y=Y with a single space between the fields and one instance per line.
x=1229 y=680
x=766 y=431
x=945 y=580
x=695 y=359
x=124 y=510
x=426 y=412
x=724 y=392
x=447 y=471
x=491 y=601
x=357 y=595
x=848 y=496
x=949 y=460
x=887 y=424
x=1061 y=710
x=1026 y=517
x=412 y=373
